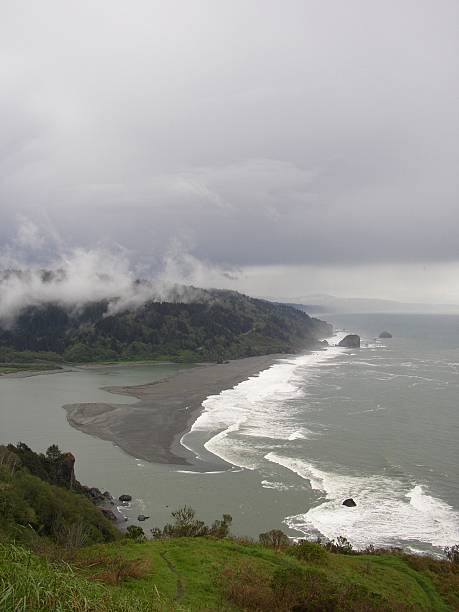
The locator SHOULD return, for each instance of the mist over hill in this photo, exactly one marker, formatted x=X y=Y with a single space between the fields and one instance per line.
x=182 y=323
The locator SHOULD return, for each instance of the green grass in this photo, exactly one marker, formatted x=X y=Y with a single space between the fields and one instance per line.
x=198 y=564
x=13 y=368
x=186 y=574
x=30 y=583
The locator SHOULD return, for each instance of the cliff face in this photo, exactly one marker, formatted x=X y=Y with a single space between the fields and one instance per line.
x=217 y=325
x=54 y=467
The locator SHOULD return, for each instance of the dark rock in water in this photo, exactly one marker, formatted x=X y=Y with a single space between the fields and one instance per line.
x=111 y=516
x=385 y=334
x=350 y=503
x=142 y=517
x=350 y=341
x=125 y=498
x=324 y=343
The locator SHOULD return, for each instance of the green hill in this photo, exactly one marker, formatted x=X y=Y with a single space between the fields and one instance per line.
x=215 y=325
x=198 y=574
x=47 y=565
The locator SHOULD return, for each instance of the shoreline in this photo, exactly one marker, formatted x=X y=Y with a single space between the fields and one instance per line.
x=152 y=428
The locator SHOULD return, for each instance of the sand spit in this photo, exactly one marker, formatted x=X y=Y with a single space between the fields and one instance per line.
x=166 y=409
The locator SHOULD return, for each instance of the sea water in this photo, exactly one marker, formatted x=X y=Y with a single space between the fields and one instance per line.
x=379 y=424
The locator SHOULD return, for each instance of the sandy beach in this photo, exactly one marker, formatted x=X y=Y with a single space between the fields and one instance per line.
x=151 y=428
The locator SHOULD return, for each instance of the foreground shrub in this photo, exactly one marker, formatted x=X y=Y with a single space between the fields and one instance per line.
x=295 y=588
x=340 y=545
x=308 y=551
x=274 y=539
x=28 y=583
x=310 y=590
x=246 y=587
x=186 y=525
x=30 y=502
x=134 y=532
x=452 y=553
x=118 y=569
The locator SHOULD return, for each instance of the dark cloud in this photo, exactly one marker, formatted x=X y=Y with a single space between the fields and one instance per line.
x=253 y=133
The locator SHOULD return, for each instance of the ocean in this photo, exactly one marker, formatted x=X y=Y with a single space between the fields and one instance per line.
x=379 y=424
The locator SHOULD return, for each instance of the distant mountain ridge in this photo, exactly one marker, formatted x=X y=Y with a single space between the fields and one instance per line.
x=215 y=325
x=318 y=304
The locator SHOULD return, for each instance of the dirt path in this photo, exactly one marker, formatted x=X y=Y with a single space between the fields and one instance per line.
x=179 y=590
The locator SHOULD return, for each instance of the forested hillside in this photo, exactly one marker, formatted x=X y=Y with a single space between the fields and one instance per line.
x=216 y=325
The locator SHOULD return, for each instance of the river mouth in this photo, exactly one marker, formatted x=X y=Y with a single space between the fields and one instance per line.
x=284 y=449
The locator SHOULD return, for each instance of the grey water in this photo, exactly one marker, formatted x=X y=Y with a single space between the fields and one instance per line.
x=379 y=424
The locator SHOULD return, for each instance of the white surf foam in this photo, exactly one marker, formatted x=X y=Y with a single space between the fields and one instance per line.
x=388 y=510
x=278 y=486
x=203 y=473
x=301 y=434
x=256 y=408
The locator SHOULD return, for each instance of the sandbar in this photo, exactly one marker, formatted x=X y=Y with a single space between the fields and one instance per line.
x=151 y=428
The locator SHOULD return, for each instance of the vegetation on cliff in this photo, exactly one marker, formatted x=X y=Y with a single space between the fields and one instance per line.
x=40 y=498
x=45 y=566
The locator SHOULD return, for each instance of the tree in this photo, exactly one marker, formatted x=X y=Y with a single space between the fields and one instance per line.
x=340 y=545
x=185 y=524
x=308 y=551
x=9 y=461
x=452 y=553
x=220 y=529
x=53 y=453
x=134 y=532
x=78 y=353
x=274 y=538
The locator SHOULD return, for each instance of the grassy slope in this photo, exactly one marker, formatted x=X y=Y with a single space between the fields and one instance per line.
x=183 y=574
x=190 y=568
x=29 y=583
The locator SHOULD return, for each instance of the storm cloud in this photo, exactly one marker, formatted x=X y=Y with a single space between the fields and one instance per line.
x=249 y=137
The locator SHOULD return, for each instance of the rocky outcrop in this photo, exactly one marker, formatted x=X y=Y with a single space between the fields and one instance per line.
x=350 y=503
x=125 y=498
x=65 y=470
x=142 y=517
x=95 y=495
x=350 y=341
x=385 y=334
x=109 y=514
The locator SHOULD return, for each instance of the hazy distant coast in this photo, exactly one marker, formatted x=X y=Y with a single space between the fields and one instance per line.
x=150 y=428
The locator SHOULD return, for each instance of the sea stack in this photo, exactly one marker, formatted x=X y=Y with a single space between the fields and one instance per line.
x=125 y=498
x=350 y=341
x=385 y=334
x=350 y=503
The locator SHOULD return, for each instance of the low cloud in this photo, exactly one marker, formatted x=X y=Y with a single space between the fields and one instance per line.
x=80 y=276
x=254 y=133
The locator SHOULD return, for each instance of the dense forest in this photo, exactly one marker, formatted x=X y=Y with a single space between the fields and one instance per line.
x=216 y=325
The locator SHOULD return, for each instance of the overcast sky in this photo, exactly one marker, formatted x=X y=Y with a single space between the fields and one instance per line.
x=279 y=147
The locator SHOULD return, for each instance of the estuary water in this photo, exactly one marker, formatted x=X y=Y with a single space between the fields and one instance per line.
x=379 y=424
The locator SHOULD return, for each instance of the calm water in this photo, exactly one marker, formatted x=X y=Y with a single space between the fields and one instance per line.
x=379 y=424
